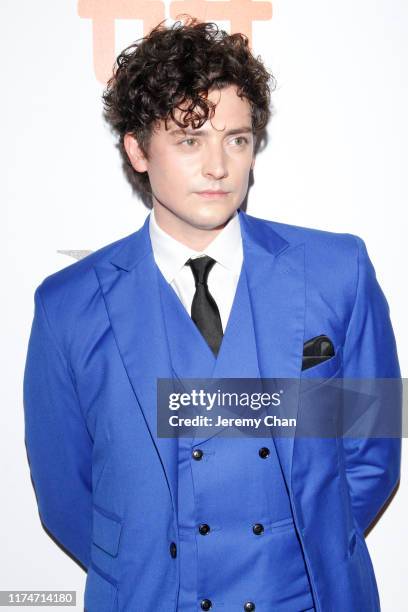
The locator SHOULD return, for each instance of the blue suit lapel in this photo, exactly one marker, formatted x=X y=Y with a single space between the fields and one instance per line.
x=275 y=283
x=130 y=288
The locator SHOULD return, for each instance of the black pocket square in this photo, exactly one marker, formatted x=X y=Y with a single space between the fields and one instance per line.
x=316 y=350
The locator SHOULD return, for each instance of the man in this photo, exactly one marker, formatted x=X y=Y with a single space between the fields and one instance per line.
x=204 y=290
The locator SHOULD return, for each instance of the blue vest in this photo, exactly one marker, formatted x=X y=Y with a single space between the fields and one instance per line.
x=251 y=552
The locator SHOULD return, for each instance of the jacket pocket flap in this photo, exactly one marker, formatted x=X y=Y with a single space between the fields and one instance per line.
x=106 y=531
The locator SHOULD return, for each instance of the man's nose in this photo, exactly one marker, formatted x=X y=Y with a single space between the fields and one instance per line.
x=215 y=164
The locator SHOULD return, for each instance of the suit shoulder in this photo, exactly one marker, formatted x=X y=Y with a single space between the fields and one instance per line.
x=66 y=294
x=78 y=275
x=314 y=239
x=332 y=259
x=332 y=262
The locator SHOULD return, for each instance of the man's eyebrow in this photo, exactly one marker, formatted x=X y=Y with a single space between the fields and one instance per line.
x=188 y=131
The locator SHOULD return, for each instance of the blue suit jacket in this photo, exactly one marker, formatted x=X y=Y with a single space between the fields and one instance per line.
x=106 y=484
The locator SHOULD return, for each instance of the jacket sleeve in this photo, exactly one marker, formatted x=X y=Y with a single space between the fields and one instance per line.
x=372 y=462
x=58 y=444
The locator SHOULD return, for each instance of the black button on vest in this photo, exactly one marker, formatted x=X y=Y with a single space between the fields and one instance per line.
x=206 y=604
x=204 y=529
x=249 y=606
x=197 y=454
x=258 y=528
x=264 y=452
x=173 y=550
x=204 y=309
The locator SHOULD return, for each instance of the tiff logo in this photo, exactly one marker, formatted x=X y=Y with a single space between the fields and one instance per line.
x=240 y=14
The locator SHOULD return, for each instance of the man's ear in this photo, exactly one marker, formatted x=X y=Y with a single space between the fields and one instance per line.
x=135 y=154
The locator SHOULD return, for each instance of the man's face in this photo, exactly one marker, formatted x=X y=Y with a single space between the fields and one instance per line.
x=185 y=164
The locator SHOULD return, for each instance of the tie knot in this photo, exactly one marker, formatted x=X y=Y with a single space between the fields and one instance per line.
x=200 y=267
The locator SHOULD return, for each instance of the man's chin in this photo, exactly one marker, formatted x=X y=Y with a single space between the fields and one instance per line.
x=212 y=220
x=211 y=224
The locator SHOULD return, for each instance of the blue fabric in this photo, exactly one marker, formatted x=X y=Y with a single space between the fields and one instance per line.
x=231 y=488
x=98 y=343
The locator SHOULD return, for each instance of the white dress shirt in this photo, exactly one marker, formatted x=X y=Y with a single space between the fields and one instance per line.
x=226 y=248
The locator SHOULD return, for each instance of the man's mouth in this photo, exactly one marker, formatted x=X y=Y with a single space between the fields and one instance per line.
x=213 y=194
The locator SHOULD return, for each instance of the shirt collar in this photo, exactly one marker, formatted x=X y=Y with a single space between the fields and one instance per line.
x=171 y=255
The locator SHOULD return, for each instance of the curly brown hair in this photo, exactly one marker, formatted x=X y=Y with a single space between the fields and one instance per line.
x=173 y=66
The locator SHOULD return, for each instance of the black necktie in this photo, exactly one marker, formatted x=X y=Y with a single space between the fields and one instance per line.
x=204 y=309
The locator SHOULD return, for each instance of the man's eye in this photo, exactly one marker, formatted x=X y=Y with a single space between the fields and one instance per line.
x=188 y=140
x=242 y=138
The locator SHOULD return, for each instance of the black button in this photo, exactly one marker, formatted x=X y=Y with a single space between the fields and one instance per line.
x=197 y=454
x=206 y=604
x=258 y=529
x=173 y=550
x=264 y=452
x=204 y=529
x=249 y=606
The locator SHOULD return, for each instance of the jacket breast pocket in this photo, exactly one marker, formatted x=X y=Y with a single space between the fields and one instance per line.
x=322 y=372
x=320 y=400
